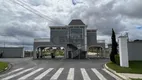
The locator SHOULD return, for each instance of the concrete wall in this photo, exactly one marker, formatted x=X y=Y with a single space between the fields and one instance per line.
x=135 y=50
x=12 y=52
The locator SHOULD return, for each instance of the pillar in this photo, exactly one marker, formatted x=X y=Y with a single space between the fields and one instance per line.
x=64 y=53
x=39 y=52
x=123 y=51
x=100 y=54
x=85 y=40
x=23 y=54
x=34 y=54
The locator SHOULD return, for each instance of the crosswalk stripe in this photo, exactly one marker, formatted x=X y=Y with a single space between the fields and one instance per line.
x=28 y=75
x=99 y=75
x=84 y=74
x=57 y=74
x=15 y=70
x=12 y=72
x=17 y=74
x=71 y=74
x=43 y=74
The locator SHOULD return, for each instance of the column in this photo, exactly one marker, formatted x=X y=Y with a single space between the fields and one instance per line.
x=34 y=54
x=85 y=30
x=123 y=51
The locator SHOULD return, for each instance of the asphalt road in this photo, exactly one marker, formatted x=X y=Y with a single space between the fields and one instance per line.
x=58 y=69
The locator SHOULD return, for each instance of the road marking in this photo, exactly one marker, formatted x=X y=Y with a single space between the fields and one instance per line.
x=15 y=70
x=43 y=74
x=30 y=74
x=17 y=74
x=71 y=74
x=99 y=75
x=57 y=74
x=111 y=74
x=12 y=71
x=84 y=74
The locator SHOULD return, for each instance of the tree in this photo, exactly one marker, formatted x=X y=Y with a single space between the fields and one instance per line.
x=113 y=47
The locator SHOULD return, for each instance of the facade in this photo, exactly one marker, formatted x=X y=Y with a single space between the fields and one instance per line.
x=75 y=38
x=12 y=52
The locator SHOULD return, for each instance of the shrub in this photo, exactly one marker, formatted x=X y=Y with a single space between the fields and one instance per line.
x=117 y=59
x=113 y=47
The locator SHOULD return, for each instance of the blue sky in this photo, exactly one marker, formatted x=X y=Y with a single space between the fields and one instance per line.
x=20 y=26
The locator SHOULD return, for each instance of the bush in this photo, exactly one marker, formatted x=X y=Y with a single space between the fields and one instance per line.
x=117 y=59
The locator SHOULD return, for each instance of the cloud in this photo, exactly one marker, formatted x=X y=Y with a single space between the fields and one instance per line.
x=20 y=24
x=130 y=8
x=101 y=17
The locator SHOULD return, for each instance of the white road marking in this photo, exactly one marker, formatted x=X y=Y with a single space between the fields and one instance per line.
x=71 y=74
x=111 y=74
x=17 y=74
x=99 y=75
x=84 y=74
x=30 y=74
x=12 y=72
x=43 y=74
x=57 y=74
x=15 y=70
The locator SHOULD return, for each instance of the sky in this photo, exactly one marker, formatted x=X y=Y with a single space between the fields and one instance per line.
x=23 y=20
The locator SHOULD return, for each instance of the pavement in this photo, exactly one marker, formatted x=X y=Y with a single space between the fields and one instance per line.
x=62 y=69
x=124 y=76
x=57 y=69
x=134 y=76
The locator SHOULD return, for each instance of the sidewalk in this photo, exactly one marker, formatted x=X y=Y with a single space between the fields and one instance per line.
x=125 y=76
x=135 y=76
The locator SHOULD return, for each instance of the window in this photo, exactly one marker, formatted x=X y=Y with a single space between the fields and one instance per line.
x=76 y=33
x=62 y=39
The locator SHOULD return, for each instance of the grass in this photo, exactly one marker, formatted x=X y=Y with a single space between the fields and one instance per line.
x=136 y=79
x=3 y=65
x=57 y=53
x=134 y=67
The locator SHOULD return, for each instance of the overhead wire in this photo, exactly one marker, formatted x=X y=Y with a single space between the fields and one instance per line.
x=32 y=8
x=27 y=7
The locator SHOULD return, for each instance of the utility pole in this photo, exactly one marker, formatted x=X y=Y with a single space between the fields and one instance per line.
x=4 y=43
x=4 y=47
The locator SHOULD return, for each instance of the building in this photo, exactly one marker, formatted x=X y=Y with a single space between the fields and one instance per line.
x=12 y=52
x=75 y=38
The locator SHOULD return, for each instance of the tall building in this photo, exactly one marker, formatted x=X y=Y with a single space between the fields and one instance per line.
x=74 y=37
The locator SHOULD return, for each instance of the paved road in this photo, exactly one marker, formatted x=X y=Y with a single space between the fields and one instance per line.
x=58 y=69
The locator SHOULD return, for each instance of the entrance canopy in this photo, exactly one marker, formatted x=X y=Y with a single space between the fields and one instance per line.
x=43 y=43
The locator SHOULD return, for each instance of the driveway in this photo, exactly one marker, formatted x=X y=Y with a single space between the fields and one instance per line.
x=57 y=69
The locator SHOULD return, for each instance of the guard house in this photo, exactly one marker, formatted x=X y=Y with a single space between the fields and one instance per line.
x=74 y=37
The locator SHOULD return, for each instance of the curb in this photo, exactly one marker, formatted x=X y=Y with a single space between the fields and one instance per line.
x=117 y=74
x=6 y=69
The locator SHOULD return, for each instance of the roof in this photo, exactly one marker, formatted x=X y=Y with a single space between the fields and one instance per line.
x=76 y=22
x=57 y=26
x=10 y=47
x=42 y=40
x=91 y=30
